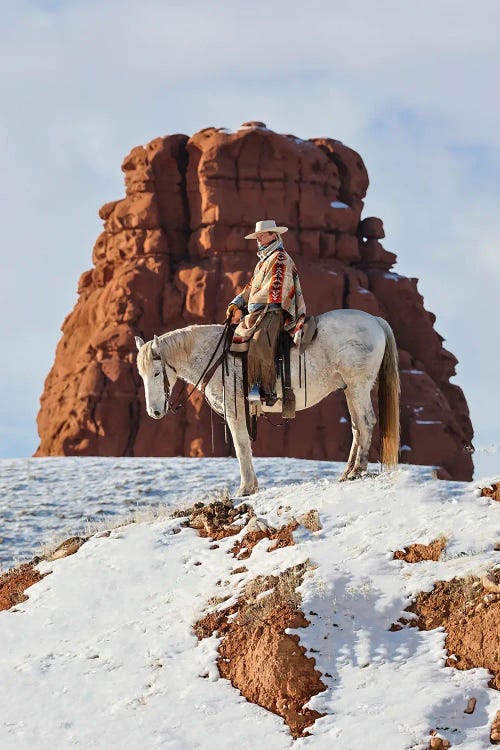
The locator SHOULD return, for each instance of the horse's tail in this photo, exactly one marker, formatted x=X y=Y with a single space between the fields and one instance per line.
x=388 y=399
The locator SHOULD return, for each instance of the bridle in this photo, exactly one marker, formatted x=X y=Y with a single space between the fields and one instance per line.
x=205 y=376
x=166 y=382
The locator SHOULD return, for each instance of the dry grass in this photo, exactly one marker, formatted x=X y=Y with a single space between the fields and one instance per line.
x=467 y=588
x=109 y=523
x=222 y=496
x=214 y=601
x=93 y=526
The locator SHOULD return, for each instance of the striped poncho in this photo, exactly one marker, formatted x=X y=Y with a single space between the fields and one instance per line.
x=274 y=284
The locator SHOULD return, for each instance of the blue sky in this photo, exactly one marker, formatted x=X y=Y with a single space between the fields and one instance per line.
x=409 y=85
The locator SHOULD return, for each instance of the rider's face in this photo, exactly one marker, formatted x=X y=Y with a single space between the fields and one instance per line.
x=264 y=238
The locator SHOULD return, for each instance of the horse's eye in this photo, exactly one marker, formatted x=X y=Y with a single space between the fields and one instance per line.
x=156 y=374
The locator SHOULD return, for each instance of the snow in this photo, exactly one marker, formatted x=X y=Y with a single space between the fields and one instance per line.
x=392 y=276
x=486 y=460
x=339 y=204
x=253 y=127
x=47 y=499
x=428 y=421
x=102 y=654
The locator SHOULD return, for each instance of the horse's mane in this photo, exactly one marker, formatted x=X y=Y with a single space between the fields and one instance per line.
x=174 y=344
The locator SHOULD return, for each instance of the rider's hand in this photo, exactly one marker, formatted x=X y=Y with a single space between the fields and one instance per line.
x=231 y=309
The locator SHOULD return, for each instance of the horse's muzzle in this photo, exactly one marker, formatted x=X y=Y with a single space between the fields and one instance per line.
x=156 y=414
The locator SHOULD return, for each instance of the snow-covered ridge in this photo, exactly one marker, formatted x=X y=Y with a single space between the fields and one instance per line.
x=46 y=499
x=102 y=655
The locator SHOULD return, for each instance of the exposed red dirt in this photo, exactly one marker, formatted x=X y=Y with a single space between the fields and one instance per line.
x=220 y=519
x=470 y=614
x=14 y=583
x=417 y=552
x=268 y=666
x=282 y=537
x=493 y=491
x=216 y=520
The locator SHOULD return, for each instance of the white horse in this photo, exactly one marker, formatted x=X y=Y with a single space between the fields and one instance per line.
x=351 y=349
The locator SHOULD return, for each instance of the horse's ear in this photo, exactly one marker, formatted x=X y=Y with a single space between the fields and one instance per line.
x=156 y=344
x=139 y=342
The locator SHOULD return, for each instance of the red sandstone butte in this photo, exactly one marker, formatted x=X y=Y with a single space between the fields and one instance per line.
x=172 y=252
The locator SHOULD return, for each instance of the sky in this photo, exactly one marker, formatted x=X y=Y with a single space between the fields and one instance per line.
x=410 y=85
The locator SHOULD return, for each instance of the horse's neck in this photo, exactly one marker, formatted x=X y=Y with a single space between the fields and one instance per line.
x=194 y=346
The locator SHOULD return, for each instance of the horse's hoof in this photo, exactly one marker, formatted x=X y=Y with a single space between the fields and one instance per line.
x=345 y=475
x=354 y=474
x=245 y=492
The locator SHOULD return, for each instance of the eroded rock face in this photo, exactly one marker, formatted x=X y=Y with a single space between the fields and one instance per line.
x=173 y=253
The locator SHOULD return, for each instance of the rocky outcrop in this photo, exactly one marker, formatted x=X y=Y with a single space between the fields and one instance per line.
x=173 y=252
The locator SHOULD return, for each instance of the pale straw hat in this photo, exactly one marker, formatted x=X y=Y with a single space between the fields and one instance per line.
x=266 y=225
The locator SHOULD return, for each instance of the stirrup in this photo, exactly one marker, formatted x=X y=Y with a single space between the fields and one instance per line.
x=254 y=394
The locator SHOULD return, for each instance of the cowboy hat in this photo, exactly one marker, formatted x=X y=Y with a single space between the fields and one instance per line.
x=267 y=225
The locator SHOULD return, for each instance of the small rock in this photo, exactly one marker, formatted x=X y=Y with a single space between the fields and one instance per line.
x=310 y=520
x=439 y=743
x=257 y=524
x=68 y=547
x=495 y=730
x=471 y=705
x=493 y=491
x=490 y=584
x=253 y=124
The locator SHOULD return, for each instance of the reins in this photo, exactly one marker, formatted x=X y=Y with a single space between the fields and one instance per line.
x=202 y=379
x=208 y=373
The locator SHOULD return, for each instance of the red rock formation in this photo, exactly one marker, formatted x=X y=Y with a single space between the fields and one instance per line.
x=173 y=253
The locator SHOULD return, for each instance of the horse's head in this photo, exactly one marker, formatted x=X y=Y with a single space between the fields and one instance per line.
x=158 y=376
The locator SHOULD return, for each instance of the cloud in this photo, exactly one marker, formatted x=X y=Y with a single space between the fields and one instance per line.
x=409 y=85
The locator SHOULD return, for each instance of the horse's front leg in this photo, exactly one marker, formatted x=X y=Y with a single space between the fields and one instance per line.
x=243 y=448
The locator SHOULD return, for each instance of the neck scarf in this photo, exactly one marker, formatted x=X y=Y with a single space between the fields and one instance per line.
x=264 y=251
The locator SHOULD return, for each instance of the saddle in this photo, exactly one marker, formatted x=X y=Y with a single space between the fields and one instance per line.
x=309 y=333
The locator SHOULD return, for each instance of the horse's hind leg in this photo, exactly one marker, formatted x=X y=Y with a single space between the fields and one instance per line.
x=354 y=445
x=243 y=448
x=363 y=421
